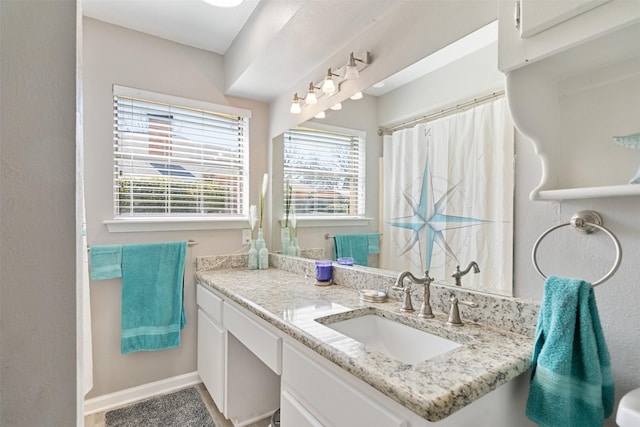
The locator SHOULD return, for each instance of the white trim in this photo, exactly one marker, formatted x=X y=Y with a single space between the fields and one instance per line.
x=331 y=128
x=328 y=221
x=177 y=100
x=144 y=391
x=171 y=224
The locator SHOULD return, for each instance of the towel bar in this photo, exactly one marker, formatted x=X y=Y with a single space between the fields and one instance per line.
x=585 y=222
x=190 y=242
x=328 y=236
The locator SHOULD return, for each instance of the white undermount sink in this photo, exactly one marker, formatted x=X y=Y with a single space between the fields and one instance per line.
x=402 y=342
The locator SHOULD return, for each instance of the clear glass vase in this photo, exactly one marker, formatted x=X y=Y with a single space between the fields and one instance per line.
x=263 y=258
x=260 y=242
x=285 y=238
x=253 y=256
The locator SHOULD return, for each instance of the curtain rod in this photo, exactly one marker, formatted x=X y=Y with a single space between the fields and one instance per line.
x=442 y=113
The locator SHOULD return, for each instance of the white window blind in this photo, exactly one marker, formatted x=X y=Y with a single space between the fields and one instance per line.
x=326 y=172
x=178 y=160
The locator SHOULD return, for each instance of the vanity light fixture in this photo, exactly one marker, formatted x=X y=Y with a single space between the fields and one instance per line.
x=295 y=105
x=329 y=86
x=332 y=82
x=320 y=115
x=356 y=96
x=311 y=95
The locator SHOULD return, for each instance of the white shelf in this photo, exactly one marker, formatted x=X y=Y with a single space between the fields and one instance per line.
x=571 y=104
x=588 y=192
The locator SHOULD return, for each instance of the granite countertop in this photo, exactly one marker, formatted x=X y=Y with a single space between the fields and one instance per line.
x=433 y=389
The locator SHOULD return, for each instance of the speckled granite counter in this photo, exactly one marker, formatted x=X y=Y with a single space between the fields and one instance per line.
x=433 y=389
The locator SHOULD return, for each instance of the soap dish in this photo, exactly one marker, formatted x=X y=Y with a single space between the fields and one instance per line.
x=370 y=295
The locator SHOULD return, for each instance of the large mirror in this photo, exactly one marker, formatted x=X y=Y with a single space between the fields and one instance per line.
x=439 y=170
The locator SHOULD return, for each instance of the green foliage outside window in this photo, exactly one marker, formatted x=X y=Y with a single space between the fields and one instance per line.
x=168 y=195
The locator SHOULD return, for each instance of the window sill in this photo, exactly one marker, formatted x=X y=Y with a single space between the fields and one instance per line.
x=130 y=225
x=340 y=221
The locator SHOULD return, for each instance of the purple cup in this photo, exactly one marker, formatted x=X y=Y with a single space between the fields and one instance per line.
x=323 y=271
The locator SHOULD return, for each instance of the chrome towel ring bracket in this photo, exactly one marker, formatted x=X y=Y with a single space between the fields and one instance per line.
x=585 y=222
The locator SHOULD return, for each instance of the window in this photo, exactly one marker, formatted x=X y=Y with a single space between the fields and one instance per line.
x=176 y=157
x=326 y=171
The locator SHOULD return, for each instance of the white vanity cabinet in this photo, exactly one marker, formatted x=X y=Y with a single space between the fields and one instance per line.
x=571 y=88
x=316 y=392
x=239 y=359
x=241 y=354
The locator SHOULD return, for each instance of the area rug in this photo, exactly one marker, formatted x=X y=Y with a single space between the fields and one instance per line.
x=183 y=408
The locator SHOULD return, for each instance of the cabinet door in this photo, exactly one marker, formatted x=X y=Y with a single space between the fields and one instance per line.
x=532 y=30
x=211 y=353
x=539 y=15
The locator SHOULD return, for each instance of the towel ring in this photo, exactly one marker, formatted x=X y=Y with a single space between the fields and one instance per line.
x=585 y=222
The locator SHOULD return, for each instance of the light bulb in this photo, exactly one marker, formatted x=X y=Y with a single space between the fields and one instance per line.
x=311 y=95
x=356 y=96
x=329 y=86
x=295 y=105
x=224 y=3
x=337 y=107
x=320 y=115
x=351 y=72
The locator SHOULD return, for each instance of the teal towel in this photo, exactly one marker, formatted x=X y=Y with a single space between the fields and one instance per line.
x=355 y=246
x=152 y=296
x=374 y=243
x=106 y=262
x=571 y=382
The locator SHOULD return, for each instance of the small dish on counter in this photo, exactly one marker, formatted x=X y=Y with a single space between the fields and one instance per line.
x=371 y=295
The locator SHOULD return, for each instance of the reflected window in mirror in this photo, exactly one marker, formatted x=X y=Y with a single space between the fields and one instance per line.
x=324 y=171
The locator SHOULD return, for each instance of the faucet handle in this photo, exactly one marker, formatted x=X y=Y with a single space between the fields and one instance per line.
x=454 y=313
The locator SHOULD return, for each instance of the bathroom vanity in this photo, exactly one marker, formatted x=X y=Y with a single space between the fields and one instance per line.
x=265 y=340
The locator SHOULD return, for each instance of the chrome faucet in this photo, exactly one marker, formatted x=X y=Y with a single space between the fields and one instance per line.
x=407 y=306
x=458 y=274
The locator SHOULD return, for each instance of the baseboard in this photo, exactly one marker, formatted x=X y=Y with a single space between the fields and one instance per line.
x=123 y=397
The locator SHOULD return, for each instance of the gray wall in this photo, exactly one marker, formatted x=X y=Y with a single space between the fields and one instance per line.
x=114 y=55
x=37 y=213
x=565 y=252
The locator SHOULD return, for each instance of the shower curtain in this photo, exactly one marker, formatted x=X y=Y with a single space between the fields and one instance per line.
x=448 y=197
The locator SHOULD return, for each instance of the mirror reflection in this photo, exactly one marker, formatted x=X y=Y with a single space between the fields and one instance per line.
x=422 y=164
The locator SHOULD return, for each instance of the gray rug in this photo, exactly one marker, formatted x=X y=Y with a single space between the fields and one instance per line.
x=183 y=408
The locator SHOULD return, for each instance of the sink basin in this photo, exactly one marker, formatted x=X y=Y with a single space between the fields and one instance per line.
x=402 y=342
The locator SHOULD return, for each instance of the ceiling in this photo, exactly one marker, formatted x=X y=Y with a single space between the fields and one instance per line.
x=267 y=44
x=190 y=22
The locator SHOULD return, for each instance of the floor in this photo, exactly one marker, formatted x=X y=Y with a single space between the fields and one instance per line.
x=97 y=420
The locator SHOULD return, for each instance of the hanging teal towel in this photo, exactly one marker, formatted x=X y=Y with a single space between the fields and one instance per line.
x=374 y=243
x=152 y=296
x=571 y=382
x=355 y=246
x=106 y=262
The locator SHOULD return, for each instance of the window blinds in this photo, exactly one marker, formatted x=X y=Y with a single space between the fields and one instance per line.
x=326 y=172
x=173 y=160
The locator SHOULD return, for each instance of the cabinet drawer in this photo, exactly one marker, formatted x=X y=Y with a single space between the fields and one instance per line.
x=331 y=396
x=263 y=343
x=292 y=413
x=210 y=303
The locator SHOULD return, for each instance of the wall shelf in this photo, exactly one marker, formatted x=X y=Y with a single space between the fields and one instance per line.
x=589 y=192
x=572 y=101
